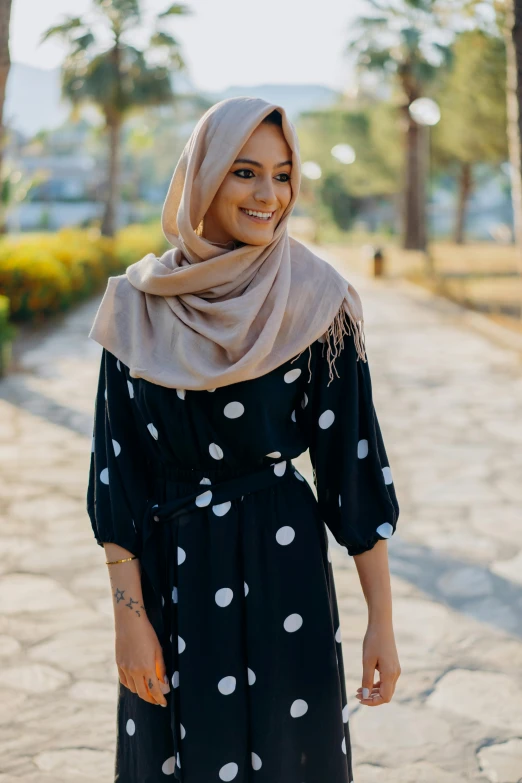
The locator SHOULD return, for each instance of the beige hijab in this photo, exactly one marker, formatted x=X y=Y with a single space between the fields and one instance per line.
x=204 y=315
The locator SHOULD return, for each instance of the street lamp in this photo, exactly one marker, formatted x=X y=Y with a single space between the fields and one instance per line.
x=425 y=112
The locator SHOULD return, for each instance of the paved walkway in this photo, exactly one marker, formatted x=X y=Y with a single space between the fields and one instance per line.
x=450 y=406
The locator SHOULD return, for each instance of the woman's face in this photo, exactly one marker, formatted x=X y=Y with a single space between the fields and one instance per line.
x=259 y=181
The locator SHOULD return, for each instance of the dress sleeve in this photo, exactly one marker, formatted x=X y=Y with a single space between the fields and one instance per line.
x=352 y=475
x=117 y=487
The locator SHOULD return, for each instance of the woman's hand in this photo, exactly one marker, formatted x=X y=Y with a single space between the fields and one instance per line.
x=139 y=658
x=379 y=652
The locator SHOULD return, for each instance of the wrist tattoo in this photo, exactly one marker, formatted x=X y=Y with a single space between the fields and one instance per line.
x=119 y=595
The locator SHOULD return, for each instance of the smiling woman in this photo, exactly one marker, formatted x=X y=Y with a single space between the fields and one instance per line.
x=255 y=192
x=223 y=361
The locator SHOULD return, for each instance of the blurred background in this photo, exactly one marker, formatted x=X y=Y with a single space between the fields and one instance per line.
x=409 y=119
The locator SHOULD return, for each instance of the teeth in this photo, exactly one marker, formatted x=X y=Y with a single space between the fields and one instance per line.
x=264 y=215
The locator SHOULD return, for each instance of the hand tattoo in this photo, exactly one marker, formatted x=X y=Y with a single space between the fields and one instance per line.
x=118 y=595
x=150 y=684
x=131 y=601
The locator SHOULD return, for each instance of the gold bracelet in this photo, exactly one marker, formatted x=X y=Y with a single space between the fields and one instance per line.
x=125 y=560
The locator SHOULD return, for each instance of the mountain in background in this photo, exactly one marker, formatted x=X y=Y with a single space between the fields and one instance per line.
x=33 y=99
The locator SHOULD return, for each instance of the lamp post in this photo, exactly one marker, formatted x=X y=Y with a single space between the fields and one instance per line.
x=425 y=113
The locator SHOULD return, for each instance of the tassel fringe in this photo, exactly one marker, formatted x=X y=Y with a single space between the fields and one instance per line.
x=343 y=324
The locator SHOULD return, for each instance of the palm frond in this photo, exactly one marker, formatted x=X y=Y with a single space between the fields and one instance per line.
x=177 y=9
x=62 y=30
x=160 y=38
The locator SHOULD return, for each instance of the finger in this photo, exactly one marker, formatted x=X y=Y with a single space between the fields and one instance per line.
x=141 y=689
x=129 y=681
x=367 y=680
x=123 y=678
x=387 y=689
x=153 y=688
x=161 y=673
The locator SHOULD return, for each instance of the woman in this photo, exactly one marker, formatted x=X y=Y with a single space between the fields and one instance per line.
x=230 y=355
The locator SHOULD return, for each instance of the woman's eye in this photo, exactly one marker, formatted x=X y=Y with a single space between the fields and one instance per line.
x=240 y=172
x=284 y=174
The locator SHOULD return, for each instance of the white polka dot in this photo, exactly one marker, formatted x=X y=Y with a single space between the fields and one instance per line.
x=204 y=499
x=168 y=766
x=386 y=472
x=105 y=395
x=343 y=745
x=181 y=555
x=304 y=401
x=339 y=501
x=385 y=530
x=92 y=445
x=285 y=535
x=362 y=449
x=162 y=601
x=117 y=448
x=227 y=685
x=181 y=644
x=234 y=410
x=256 y=762
x=279 y=468
x=118 y=365
x=338 y=635
x=153 y=431
x=205 y=481
x=211 y=390
x=321 y=339
x=229 y=771
x=293 y=416
x=299 y=708
x=345 y=713
x=175 y=677
x=131 y=727
x=216 y=452
x=104 y=476
x=326 y=419
x=298 y=475
x=182 y=731
x=293 y=623
x=328 y=555
x=221 y=508
x=131 y=389
x=251 y=677
x=178 y=762
x=174 y=595
x=224 y=596
x=181 y=393
x=246 y=588
x=292 y=375
x=274 y=454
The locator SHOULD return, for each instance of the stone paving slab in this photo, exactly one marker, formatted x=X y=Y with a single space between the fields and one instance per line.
x=450 y=406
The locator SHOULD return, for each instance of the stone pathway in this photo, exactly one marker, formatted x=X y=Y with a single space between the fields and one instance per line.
x=450 y=407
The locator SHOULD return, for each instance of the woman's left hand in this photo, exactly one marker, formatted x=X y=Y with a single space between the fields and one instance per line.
x=379 y=652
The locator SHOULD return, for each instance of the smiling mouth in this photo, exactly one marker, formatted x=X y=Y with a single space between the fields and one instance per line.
x=258 y=216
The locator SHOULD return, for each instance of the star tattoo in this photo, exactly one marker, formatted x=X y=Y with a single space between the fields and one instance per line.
x=119 y=595
x=131 y=601
x=150 y=683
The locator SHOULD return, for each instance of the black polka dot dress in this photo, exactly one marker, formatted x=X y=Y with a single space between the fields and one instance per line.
x=236 y=573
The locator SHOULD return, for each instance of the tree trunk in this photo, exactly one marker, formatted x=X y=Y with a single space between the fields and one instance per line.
x=414 y=202
x=108 y=227
x=465 y=188
x=5 y=64
x=514 y=108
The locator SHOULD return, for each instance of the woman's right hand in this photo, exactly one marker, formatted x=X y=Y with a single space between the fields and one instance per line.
x=139 y=659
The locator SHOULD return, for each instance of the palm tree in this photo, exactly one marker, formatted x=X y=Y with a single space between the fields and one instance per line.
x=120 y=78
x=510 y=14
x=407 y=40
x=5 y=64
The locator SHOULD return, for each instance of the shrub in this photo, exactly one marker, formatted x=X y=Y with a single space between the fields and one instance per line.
x=44 y=273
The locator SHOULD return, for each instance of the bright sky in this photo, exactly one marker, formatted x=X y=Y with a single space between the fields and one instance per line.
x=225 y=42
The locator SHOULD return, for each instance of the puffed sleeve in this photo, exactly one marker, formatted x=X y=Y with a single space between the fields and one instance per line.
x=352 y=475
x=117 y=487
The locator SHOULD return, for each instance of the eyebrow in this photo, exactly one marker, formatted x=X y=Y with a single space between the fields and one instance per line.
x=260 y=165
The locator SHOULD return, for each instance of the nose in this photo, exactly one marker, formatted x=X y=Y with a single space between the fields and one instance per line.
x=265 y=193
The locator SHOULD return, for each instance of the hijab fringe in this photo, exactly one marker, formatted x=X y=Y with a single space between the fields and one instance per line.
x=343 y=324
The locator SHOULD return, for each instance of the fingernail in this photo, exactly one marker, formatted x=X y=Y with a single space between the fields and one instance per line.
x=165 y=679
x=366 y=693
